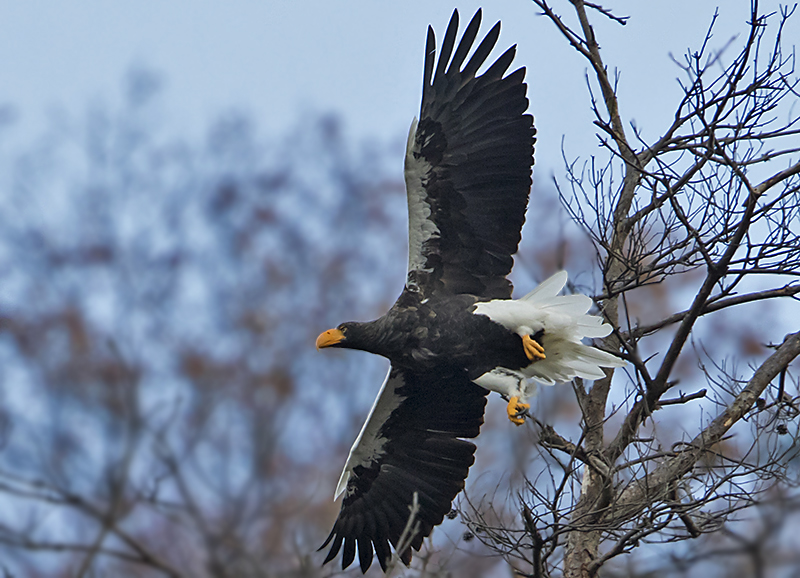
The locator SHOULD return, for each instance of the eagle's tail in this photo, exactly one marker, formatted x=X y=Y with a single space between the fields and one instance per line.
x=558 y=323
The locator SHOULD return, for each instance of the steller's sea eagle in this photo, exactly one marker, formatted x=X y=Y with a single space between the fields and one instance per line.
x=454 y=333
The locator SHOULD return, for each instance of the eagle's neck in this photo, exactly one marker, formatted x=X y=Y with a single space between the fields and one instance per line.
x=381 y=337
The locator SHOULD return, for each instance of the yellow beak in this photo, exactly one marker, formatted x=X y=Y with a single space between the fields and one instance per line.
x=329 y=337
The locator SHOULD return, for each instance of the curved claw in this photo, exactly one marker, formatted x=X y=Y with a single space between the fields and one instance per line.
x=516 y=410
x=533 y=350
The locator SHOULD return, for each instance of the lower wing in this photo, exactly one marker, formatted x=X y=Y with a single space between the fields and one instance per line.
x=411 y=442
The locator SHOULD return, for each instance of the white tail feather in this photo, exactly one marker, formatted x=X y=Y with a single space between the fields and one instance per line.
x=563 y=323
x=592 y=326
x=549 y=288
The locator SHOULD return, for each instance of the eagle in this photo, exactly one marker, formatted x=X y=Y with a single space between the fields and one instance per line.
x=455 y=334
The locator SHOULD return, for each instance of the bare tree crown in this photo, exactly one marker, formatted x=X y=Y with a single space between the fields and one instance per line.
x=714 y=204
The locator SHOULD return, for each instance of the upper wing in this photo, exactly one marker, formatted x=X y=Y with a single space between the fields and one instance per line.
x=409 y=443
x=467 y=169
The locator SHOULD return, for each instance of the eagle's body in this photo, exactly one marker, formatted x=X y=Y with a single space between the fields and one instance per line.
x=454 y=333
x=422 y=335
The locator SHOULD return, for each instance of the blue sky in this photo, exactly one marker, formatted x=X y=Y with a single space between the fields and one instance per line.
x=361 y=59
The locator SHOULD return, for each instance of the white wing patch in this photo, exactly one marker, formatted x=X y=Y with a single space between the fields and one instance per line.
x=368 y=446
x=564 y=323
x=420 y=226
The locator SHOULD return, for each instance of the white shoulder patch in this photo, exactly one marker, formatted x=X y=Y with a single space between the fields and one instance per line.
x=420 y=226
x=368 y=446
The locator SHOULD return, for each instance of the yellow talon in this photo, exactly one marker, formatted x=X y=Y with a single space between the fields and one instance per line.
x=516 y=410
x=533 y=350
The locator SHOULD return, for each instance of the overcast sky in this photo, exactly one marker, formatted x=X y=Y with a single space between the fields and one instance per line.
x=362 y=59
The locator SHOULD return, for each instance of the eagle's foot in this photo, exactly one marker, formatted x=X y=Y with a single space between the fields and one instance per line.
x=533 y=349
x=516 y=410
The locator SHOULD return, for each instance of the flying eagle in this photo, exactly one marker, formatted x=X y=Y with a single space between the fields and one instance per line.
x=454 y=333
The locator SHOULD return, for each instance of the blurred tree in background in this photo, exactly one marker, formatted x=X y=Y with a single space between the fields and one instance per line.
x=163 y=411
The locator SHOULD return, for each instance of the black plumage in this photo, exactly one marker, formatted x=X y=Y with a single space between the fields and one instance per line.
x=468 y=177
x=479 y=144
x=423 y=454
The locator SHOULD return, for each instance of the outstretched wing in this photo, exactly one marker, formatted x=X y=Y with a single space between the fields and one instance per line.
x=467 y=169
x=411 y=442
